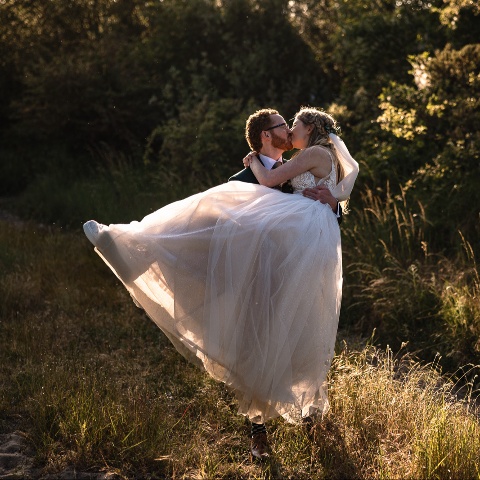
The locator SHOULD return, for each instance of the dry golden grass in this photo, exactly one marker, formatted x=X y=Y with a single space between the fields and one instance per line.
x=93 y=383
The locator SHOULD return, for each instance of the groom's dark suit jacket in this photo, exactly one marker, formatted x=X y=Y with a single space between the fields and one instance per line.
x=246 y=175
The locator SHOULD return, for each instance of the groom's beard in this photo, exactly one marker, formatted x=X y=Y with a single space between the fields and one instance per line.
x=282 y=143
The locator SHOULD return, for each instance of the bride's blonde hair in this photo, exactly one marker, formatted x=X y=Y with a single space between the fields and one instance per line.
x=323 y=124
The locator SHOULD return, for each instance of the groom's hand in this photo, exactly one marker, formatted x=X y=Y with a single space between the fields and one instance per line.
x=323 y=195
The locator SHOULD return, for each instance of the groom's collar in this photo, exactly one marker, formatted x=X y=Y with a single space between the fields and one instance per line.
x=268 y=161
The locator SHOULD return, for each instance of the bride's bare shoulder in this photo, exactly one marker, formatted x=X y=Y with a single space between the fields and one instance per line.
x=319 y=153
x=319 y=150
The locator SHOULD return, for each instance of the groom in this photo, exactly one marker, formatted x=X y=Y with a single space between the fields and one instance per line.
x=268 y=134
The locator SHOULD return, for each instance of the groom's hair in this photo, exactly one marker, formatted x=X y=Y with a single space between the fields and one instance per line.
x=256 y=123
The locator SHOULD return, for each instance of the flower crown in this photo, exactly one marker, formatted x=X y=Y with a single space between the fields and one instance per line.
x=335 y=129
x=322 y=125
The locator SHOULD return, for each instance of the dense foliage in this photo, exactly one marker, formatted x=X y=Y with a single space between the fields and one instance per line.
x=110 y=108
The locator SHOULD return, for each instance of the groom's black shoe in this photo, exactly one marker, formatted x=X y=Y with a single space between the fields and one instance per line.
x=259 y=446
x=312 y=427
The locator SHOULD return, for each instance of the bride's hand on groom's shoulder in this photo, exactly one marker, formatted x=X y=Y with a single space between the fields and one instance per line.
x=247 y=160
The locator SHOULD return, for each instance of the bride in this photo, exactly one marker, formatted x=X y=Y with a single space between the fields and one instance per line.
x=246 y=280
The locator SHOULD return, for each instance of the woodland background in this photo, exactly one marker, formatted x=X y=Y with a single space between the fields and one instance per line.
x=112 y=108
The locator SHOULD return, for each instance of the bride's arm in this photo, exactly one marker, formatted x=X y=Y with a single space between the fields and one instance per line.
x=270 y=178
x=310 y=159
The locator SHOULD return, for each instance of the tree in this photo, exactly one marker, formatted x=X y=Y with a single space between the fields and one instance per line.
x=440 y=119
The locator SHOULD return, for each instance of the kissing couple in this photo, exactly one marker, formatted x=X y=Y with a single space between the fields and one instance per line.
x=244 y=279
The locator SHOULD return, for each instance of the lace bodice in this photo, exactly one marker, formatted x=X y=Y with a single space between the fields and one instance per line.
x=307 y=180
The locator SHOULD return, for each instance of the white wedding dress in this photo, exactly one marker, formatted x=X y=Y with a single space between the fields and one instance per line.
x=244 y=280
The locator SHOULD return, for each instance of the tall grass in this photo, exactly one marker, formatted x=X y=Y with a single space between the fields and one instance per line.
x=94 y=384
x=118 y=191
x=407 y=293
x=460 y=307
x=402 y=419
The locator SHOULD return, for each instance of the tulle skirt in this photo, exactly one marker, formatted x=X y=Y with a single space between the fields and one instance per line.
x=246 y=282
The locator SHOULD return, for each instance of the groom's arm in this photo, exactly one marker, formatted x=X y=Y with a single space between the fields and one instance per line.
x=323 y=195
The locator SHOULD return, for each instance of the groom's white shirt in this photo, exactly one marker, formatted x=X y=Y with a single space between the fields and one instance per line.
x=269 y=162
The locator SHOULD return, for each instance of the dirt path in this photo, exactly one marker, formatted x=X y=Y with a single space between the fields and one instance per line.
x=16 y=457
x=17 y=462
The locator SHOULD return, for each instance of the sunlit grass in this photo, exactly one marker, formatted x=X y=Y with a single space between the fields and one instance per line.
x=402 y=419
x=95 y=384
